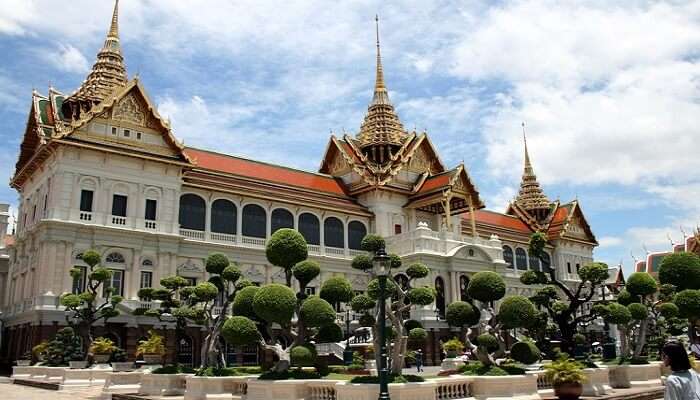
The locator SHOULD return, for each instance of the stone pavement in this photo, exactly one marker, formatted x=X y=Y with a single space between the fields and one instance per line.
x=9 y=391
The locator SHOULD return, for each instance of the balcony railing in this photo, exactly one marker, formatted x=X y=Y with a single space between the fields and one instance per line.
x=192 y=234
x=117 y=220
x=85 y=216
x=150 y=225
x=222 y=237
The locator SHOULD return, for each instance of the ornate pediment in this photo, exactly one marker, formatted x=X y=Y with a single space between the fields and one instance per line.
x=190 y=266
x=130 y=109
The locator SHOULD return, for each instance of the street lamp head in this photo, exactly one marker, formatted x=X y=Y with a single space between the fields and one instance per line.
x=381 y=263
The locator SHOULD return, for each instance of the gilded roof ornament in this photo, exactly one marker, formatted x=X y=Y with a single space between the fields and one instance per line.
x=531 y=196
x=109 y=71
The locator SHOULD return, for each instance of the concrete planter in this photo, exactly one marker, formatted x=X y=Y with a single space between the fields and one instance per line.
x=152 y=358
x=397 y=391
x=73 y=378
x=292 y=389
x=121 y=383
x=54 y=374
x=101 y=358
x=597 y=383
x=635 y=376
x=208 y=387
x=163 y=384
x=39 y=373
x=23 y=363
x=122 y=366
x=77 y=364
x=22 y=372
x=451 y=364
x=521 y=387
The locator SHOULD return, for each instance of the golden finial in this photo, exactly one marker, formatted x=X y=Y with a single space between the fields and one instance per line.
x=527 y=156
x=379 y=84
x=114 y=26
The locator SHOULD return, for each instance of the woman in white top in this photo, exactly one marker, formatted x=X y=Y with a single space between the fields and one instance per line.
x=683 y=383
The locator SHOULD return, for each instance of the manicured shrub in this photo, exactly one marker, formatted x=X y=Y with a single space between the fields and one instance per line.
x=373 y=288
x=303 y=355
x=337 y=290
x=488 y=341
x=595 y=272
x=410 y=324
x=305 y=271
x=462 y=314
x=372 y=243
x=681 y=270
x=91 y=257
x=285 y=248
x=525 y=352
x=417 y=271
x=243 y=302
x=625 y=298
x=366 y=320
x=316 y=312
x=275 y=303
x=205 y=291
x=362 y=262
x=486 y=286
x=516 y=312
x=688 y=302
x=668 y=310
x=618 y=314
x=231 y=273
x=240 y=331
x=331 y=333
x=417 y=335
x=638 y=311
x=641 y=284
x=216 y=263
x=362 y=302
x=421 y=296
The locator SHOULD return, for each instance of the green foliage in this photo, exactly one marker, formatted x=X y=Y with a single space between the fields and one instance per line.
x=305 y=271
x=285 y=248
x=362 y=302
x=296 y=373
x=559 y=307
x=600 y=310
x=102 y=345
x=362 y=262
x=421 y=296
x=668 y=310
x=536 y=244
x=453 y=345
x=303 y=355
x=373 y=288
x=205 y=291
x=118 y=355
x=337 y=290
x=564 y=371
x=479 y=369
x=412 y=323
x=366 y=320
x=681 y=270
x=240 y=331
x=154 y=344
x=417 y=335
x=516 y=312
x=641 y=284
x=417 y=271
x=487 y=341
x=40 y=349
x=91 y=258
x=243 y=283
x=618 y=314
x=63 y=347
x=275 y=303
x=331 y=333
x=214 y=371
x=579 y=338
x=533 y=278
x=595 y=273
x=145 y=294
x=231 y=273
x=462 y=314
x=100 y=274
x=173 y=369
x=688 y=302
x=544 y=296
x=174 y=282
x=395 y=261
x=316 y=312
x=625 y=298
x=372 y=243
x=525 y=352
x=70 y=300
x=75 y=273
x=486 y=286
x=243 y=302
x=215 y=263
x=392 y=378
x=638 y=311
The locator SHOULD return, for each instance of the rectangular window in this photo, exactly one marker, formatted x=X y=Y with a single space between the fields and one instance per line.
x=127 y=133
x=86 y=200
x=138 y=135
x=568 y=267
x=397 y=229
x=146 y=279
x=151 y=209
x=119 y=205
x=116 y=282
x=191 y=281
x=311 y=291
x=79 y=281
x=114 y=130
x=578 y=266
x=46 y=203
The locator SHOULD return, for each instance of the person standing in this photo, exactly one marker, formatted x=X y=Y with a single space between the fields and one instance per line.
x=419 y=360
x=683 y=383
x=695 y=350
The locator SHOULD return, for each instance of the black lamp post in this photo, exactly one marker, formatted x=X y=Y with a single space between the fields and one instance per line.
x=347 y=353
x=382 y=263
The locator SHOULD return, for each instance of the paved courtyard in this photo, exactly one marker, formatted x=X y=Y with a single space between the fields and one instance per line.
x=9 y=391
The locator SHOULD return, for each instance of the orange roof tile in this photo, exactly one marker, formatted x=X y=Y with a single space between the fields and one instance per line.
x=560 y=215
x=434 y=182
x=498 y=219
x=262 y=171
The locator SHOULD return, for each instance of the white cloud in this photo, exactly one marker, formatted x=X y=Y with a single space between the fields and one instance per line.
x=609 y=241
x=67 y=58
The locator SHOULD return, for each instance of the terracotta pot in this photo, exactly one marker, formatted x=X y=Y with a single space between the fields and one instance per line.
x=101 y=358
x=568 y=391
x=152 y=358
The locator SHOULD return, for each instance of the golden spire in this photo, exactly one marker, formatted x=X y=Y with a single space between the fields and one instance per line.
x=531 y=196
x=109 y=71
x=381 y=132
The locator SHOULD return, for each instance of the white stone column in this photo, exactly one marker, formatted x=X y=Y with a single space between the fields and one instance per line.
x=133 y=282
x=239 y=219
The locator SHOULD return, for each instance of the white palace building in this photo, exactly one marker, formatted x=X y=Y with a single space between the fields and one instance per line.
x=100 y=169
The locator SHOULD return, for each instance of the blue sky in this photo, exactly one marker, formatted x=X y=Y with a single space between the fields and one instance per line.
x=609 y=91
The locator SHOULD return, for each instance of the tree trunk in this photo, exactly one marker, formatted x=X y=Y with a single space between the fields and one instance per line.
x=623 y=341
x=640 y=339
x=484 y=356
x=283 y=354
x=398 y=355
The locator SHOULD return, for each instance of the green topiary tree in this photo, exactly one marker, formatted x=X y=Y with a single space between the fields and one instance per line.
x=285 y=248
x=401 y=297
x=682 y=270
x=83 y=310
x=65 y=346
x=688 y=303
x=564 y=305
x=642 y=288
x=525 y=352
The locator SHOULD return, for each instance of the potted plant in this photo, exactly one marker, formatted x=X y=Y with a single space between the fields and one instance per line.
x=452 y=347
x=101 y=349
x=39 y=351
x=76 y=359
x=152 y=348
x=26 y=359
x=567 y=378
x=119 y=361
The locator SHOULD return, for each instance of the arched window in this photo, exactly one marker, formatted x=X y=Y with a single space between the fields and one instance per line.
x=254 y=221
x=223 y=217
x=521 y=259
x=281 y=218
x=440 y=297
x=463 y=284
x=534 y=263
x=333 y=235
x=309 y=228
x=356 y=232
x=508 y=256
x=546 y=262
x=115 y=258
x=192 y=212
x=147 y=263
